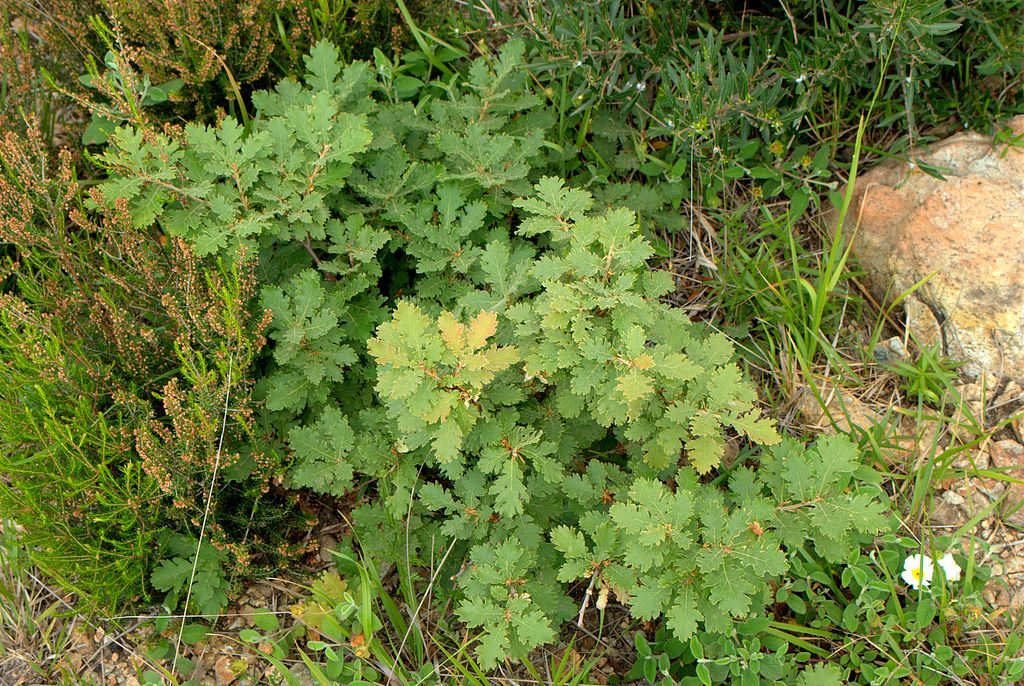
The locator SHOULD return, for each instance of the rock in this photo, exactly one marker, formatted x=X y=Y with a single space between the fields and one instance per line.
x=992 y=489
x=953 y=498
x=923 y=323
x=74 y=660
x=845 y=410
x=1007 y=453
x=970 y=460
x=987 y=401
x=961 y=236
x=328 y=544
x=891 y=351
x=945 y=513
x=227 y=669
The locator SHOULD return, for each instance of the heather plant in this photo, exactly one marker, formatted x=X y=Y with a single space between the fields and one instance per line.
x=87 y=513
x=121 y=351
x=197 y=41
x=213 y=48
x=35 y=45
x=217 y=52
x=486 y=349
x=19 y=83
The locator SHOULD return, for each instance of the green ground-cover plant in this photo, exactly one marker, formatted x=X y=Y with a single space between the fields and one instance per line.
x=860 y=622
x=486 y=351
x=735 y=90
x=937 y=633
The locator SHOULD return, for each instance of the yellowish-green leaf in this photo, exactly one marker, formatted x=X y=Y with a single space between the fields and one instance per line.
x=757 y=429
x=452 y=332
x=481 y=328
x=634 y=385
x=442 y=407
x=705 y=452
x=447 y=440
x=643 y=362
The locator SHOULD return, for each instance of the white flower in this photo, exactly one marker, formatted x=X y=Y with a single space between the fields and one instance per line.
x=579 y=63
x=800 y=79
x=918 y=571
x=641 y=87
x=949 y=567
x=668 y=123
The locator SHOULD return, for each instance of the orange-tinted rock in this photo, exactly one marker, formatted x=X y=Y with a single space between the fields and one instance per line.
x=964 y=235
x=1008 y=454
x=227 y=669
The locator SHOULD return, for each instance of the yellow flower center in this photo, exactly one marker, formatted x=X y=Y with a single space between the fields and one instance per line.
x=916 y=573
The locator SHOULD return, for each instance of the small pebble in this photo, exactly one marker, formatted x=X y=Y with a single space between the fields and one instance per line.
x=953 y=498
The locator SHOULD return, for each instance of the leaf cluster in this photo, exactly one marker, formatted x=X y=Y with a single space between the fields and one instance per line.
x=698 y=556
x=195 y=569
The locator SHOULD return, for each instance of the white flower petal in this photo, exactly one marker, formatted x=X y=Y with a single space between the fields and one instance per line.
x=949 y=567
x=918 y=571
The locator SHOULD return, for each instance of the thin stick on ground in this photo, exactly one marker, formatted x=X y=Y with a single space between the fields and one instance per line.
x=415 y=614
x=206 y=513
